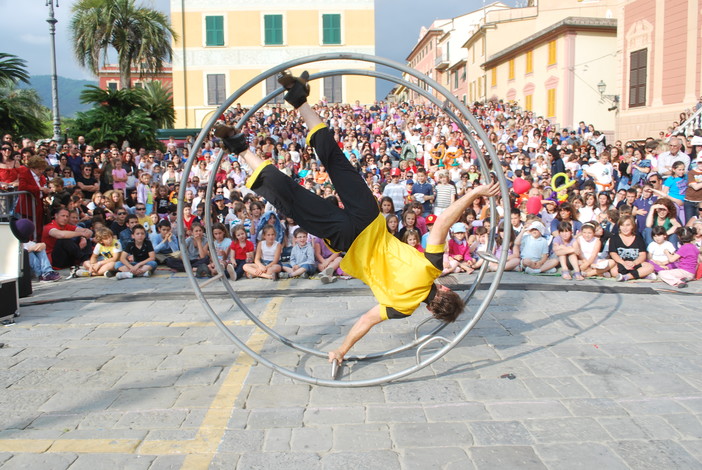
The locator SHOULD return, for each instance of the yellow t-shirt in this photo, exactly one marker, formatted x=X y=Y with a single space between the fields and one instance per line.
x=399 y=276
x=108 y=252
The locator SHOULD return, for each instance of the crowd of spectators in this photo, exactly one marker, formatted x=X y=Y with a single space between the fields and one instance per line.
x=582 y=204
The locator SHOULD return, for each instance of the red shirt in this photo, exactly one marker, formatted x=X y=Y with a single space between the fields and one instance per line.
x=240 y=251
x=51 y=241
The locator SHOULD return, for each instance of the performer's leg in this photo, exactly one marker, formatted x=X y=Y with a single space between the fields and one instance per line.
x=311 y=212
x=357 y=198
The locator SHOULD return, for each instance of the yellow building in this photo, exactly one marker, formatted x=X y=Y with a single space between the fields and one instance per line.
x=548 y=58
x=222 y=44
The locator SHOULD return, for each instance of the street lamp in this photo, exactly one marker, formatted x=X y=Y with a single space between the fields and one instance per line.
x=601 y=87
x=54 y=78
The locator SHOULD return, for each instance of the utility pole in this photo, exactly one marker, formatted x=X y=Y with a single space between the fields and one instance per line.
x=54 y=78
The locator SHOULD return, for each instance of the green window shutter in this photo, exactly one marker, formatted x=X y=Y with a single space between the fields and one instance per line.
x=273 y=27
x=331 y=29
x=214 y=30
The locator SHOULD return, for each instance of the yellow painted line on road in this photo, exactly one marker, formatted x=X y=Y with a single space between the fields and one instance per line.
x=201 y=450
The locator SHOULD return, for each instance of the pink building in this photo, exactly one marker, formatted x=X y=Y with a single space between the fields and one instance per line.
x=108 y=77
x=661 y=63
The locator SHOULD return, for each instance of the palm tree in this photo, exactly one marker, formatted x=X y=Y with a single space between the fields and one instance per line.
x=12 y=69
x=158 y=103
x=21 y=112
x=141 y=36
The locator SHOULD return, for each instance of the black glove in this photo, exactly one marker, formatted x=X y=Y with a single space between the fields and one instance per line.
x=298 y=88
x=235 y=143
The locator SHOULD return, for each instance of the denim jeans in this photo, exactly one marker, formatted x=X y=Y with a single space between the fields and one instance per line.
x=39 y=263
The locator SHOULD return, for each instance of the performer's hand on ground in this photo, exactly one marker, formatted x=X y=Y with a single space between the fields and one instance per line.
x=336 y=356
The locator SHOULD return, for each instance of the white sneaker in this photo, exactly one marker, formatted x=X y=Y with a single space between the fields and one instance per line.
x=651 y=277
x=124 y=275
x=146 y=274
x=232 y=272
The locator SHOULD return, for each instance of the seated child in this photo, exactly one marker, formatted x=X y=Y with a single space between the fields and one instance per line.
x=565 y=249
x=241 y=251
x=267 y=255
x=480 y=243
x=513 y=260
x=682 y=264
x=105 y=254
x=458 y=258
x=39 y=262
x=588 y=249
x=125 y=236
x=534 y=250
x=222 y=242
x=660 y=248
x=327 y=260
x=302 y=262
x=138 y=257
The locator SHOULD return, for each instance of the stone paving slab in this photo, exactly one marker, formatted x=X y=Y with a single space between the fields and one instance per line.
x=556 y=375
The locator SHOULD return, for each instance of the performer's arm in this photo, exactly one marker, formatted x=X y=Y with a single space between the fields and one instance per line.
x=448 y=217
x=362 y=326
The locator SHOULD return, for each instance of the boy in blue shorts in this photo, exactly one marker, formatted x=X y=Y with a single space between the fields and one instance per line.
x=399 y=276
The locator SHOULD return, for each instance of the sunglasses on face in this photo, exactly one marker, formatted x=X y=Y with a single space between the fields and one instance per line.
x=121 y=213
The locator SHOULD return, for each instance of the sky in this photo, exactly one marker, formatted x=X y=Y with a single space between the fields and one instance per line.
x=397 y=30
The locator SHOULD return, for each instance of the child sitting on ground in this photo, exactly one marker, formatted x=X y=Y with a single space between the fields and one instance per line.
x=534 y=250
x=328 y=261
x=683 y=263
x=105 y=255
x=458 y=258
x=565 y=249
x=267 y=256
x=660 y=248
x=138 y=257
x=301 y=257
x=431 y=218
x=241 y=251
x=588 y=248
x=513 y=260
x=222 y=242
x=480 y=243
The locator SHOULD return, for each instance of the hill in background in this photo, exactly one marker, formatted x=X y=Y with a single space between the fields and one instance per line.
x=68 y=89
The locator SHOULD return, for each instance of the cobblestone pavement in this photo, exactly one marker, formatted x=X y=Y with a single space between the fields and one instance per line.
x=99 y=373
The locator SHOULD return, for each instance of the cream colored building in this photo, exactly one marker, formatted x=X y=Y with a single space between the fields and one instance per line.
x=549 y=59
x=223 y=44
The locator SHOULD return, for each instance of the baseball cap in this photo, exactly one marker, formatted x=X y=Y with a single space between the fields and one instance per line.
x=219 y=197
x=431 y=219
x=395 y=172
x=536 y=225
x=458 y=227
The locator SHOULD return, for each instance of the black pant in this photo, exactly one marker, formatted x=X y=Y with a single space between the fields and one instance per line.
x=339 y=227
x=68 y=253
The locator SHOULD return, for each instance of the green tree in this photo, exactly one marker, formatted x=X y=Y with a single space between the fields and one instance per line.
x=158 y=104
x=12 y=69
x=118 y=115
x=141 y=36
x=21 y=111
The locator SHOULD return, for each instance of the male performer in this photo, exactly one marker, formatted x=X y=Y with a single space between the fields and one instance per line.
x=399 y=276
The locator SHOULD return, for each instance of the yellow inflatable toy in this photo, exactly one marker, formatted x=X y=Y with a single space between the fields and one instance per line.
x=561 y=191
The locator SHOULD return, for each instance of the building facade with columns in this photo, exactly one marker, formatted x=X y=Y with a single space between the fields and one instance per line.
x=661 y=64
x=223 y=44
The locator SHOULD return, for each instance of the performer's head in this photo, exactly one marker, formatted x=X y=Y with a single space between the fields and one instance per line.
x=446 y=304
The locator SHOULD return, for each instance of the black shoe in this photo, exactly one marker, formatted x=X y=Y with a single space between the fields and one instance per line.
x=298 y=88
x=235 y=143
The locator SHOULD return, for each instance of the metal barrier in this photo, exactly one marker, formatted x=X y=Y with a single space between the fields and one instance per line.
x=9 y=206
